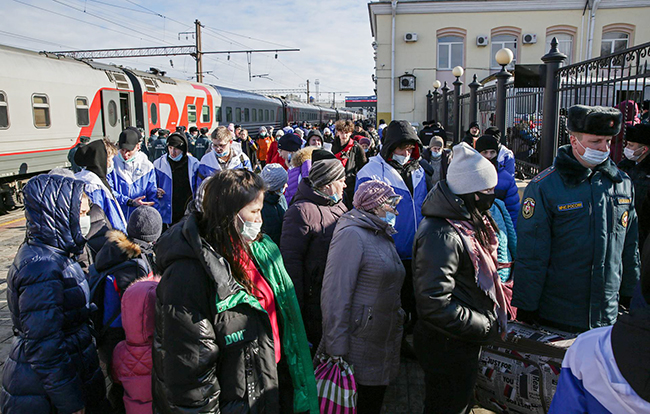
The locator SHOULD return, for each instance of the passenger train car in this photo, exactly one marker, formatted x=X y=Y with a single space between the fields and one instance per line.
x=47 y=102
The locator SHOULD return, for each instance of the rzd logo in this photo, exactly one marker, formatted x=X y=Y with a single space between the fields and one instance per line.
x=235 y=337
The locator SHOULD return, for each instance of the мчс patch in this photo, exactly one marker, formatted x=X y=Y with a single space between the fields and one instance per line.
x=570 y=206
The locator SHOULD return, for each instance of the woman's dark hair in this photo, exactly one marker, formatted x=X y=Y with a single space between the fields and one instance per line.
x=226 y=193
x=482 y=231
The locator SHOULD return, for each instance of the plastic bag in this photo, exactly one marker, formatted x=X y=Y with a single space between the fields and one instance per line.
x=337 y=389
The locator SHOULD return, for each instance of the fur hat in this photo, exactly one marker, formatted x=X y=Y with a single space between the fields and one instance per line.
x=595 y=120
x=639 y=133
x=469 y=171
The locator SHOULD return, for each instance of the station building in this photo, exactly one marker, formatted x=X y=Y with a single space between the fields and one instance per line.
x=430 y=38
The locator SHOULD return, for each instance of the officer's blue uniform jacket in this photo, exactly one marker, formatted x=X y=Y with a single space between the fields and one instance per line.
x=577 y=243
x=209 y=163
x=199 y=147
x=102 y=196
x=158 y=148
x=165 y=181
x=131 y=180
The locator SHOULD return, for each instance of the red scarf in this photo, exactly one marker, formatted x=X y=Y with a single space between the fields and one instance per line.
x=344 y=154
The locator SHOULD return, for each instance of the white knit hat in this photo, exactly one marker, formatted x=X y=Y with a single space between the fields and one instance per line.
x=469 y=171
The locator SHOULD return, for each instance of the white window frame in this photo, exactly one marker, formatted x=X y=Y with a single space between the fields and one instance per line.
x=613 y=42
x=500 y=44
x=45 y=106
x=5 y=104
x=449 y=45
x=561 y=40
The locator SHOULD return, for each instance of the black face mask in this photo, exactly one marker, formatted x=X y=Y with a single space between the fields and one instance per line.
x=485 y=201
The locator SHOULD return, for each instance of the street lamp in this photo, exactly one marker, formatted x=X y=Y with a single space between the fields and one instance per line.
x=503 y=57
x=457 y=72
x=436 y=86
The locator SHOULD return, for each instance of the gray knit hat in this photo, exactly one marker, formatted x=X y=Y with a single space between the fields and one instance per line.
x=469 y=171
x=324 y=172
x=437 y=141
x=275 y=176
x=145 y=224
x=372 y=194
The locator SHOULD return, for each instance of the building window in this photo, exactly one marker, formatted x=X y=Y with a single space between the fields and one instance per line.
x=205 y=115
x=4 y=111
x=450 y=52
x=614 y=42
x=191 y=113
x=503 y=41
x=41 y=108
x=83 y=117
x=564 y=45
x=228 y=114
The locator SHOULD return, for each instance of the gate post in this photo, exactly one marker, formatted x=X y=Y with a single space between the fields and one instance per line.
x=473 y=106
x=429 y=96
x=445 y=107
x=551 y=110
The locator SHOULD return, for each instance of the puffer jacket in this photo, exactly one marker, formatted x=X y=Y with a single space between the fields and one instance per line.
x=132 y=357
x=307 y=231
x=362 y=314
x=272 y=216
x=446 y=294
x=52 y=366
x=507 y=236
x=204 y=314
x=300 y=167
x=507 y=191
x=103 y=196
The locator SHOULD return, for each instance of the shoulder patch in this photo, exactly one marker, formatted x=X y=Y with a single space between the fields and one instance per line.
x=528 y=208
x=539 y=177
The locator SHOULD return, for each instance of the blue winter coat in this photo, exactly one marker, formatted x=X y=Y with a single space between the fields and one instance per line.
x=52 y=365
x=210 y=164
x=507 y=191
x=507 y=237
x=409 y=208
x=131 y=180
x=165 y=181
x=102 y=196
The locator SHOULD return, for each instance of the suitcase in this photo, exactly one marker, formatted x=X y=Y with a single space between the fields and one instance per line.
x=520 y=374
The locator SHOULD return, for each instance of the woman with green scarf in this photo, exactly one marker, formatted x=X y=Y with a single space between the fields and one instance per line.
x=229 y=335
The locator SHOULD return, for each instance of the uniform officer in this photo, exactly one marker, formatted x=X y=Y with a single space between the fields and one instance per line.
x=577 y=231
x=159 y=146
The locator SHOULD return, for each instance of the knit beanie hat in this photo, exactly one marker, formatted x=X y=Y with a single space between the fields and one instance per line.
x=372 y=194
x=469 y=171
x=494 y=131
x=364 y=140
x=290 y=142
x=487 y=142
x=145 y=224
x=275 y=176
x=437 y=142
x=321 y=154
x=177 y=140
x=472 y=125
x=324 y=172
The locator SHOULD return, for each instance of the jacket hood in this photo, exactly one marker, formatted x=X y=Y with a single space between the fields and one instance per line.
x=630 y=339
x=301 y=156
x=52 y=208
x=117 y=249
x=306 y=192
x=442 y=203
x=178 y=138
x=573 y=173
x=397 y=136
x=358 y=218
x=93 y=157
x=139 y=311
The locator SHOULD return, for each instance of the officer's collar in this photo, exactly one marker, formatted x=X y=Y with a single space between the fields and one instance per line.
x=573 y=173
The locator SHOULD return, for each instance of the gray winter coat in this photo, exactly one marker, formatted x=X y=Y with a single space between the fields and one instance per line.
x=360 y=301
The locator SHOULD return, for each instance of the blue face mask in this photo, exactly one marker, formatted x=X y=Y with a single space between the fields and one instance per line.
x=221 y=154
x=335 y=198
x=130 y=160
x=176 y=158
x=390 y=218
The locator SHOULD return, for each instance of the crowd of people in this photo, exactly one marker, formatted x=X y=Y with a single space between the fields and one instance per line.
x=204 y=271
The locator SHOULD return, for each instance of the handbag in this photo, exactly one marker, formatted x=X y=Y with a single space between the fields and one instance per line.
x=336 y=387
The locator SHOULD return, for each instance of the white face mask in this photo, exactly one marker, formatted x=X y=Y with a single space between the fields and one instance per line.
x=250 y=229
x=592 y=156
x=436 y=154
x=629 y=154
x=401 y=159
x=84 y=224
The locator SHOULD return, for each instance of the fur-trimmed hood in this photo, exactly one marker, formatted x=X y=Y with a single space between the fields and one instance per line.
x=118 y=248
x=302 y=155
x=573 y=173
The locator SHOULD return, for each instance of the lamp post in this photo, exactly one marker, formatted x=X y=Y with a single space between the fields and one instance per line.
x=445 y=108
x=473 y=104
x=457 y=72
x=436 y=86
x=504 y=58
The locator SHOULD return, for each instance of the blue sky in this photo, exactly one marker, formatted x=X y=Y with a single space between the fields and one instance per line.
x=333 y=37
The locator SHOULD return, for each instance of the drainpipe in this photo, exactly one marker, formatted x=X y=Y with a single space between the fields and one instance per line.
x=592 y=25
x=393 y=5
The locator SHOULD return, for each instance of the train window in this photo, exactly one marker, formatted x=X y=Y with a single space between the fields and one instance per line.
x=112 y=113
x=4 y=111
x=247 y=115
x=272 y=115
x=266 y=115
x=237 y=114
x=191 y=113
x=153 y=111
x=217 y=114
x=81 y=105
x=205 y=115
x=41 y=107
x=228 y=114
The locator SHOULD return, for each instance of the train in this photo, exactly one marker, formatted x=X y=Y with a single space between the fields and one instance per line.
x=49 y=101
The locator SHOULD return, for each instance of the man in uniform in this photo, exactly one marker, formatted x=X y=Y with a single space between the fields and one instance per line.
x=159 y=146
x=637 y=165
x=577 y=231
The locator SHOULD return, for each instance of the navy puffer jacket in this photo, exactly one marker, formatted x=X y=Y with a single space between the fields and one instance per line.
x=53 y=364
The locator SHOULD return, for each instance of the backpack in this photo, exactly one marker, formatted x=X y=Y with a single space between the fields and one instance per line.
x=123 y=275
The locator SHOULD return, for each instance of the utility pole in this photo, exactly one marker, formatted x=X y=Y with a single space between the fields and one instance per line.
x=307 y=90
x=199 y=53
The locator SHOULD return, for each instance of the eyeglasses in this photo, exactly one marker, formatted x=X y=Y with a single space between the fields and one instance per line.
x=393 y=201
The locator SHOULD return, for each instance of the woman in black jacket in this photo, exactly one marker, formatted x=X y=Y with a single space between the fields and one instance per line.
x=458 y=293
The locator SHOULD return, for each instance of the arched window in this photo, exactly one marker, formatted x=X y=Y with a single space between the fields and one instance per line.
x=565 y=36
x=504 y=37
x=451 y=47
x=616 y=38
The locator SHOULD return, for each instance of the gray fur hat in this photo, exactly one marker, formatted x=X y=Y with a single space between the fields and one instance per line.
x=595 y=120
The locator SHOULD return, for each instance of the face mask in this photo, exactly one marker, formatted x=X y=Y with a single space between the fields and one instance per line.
x=126 y=161
x=250 y=230
x=366 y=149
x=401 y=159
x=390 y=218
x=485 y=201
x=436 y=155
x=592 y=156
x=222 y=154
x=84 y=224
x=629 y=154
x=335 y=198
x=263 y=135
x=176 y=158
x=110 y=169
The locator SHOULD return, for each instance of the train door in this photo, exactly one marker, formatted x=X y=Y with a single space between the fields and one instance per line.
x=111 y=114
x=125 y=110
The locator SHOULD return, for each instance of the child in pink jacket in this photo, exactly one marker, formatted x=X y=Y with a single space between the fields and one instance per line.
x=132 y=362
